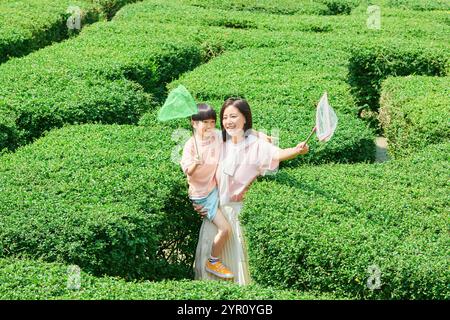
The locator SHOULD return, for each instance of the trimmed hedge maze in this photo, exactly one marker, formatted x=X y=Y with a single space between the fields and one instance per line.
x=414 y=113
x=107 y=198
x=322 y=228
x=86 y=172
x=111 y=73
x=28 y=25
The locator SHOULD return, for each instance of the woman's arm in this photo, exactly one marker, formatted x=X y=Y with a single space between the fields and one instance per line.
x=291 y=153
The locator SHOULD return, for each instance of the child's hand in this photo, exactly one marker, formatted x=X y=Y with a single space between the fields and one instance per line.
x=197 y=160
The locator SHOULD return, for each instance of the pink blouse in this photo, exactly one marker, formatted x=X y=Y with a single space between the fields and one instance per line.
x=203 y=180
x=242 y=163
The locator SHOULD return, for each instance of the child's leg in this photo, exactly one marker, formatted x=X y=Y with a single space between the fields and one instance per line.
x=224 y=230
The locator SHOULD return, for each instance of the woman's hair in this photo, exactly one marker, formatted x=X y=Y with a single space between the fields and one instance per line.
x=243 y=106
x=205 y=112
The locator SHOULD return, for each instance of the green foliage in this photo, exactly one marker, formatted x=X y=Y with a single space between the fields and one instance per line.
x=54 y=86
x=321 y=228
x=370 y=64
x=30 y=280
x=421 y=5
x=414 y=112
x=107 y=198
x=284 y=7
x=26 y=26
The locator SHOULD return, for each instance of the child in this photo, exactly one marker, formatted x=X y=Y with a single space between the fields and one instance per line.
x=199 y=162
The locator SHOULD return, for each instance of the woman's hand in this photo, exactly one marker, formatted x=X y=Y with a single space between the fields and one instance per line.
x=200 y=210
x=302 y=148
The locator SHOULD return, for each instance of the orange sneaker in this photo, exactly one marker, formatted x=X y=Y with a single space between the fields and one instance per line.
x=218 y=269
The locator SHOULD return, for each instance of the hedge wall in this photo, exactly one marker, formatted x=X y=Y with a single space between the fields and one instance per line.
x=36 y=280
x=54 y=86
x=26 y=26
x=105 y=197
x=324 y=228
x=285 y=7
x=373 y=62
x=420 y=5
x=414 y=112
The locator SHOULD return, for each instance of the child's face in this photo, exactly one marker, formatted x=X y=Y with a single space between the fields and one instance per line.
x=204 y=128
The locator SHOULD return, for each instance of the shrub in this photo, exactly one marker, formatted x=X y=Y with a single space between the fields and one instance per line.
x=285 y=7
x=104 y=197
x=26 y=26
x=414 y=112
x=322 y=228
x=370 y=64
x=25 y=279
x=421 y=5
x=54 y=86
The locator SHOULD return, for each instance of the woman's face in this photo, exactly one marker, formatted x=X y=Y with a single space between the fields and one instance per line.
x=233 y=121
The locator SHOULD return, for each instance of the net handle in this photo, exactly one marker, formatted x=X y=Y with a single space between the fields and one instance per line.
x=195 y=142
x=310 y=135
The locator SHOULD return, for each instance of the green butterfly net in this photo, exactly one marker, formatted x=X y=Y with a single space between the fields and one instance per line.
x=179 y=104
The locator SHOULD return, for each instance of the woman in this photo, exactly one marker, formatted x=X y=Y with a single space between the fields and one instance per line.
x=243 y=158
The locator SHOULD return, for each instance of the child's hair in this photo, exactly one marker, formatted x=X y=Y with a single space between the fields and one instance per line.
x=205 y=112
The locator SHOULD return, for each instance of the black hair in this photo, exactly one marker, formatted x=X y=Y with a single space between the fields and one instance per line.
x=243 y=106
x=205 y=112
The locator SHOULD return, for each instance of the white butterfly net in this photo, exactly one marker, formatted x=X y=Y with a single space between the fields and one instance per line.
x=326 y=120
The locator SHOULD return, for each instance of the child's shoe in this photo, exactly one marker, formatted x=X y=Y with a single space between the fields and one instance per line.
x=218 y=269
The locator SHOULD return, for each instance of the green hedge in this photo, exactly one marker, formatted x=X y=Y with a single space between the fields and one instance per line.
x=169 y=12
x=26 y=26
x=37 y=280
x=414 y=112
x=105 y=197
x=283 y=87
x=322 y=228
x=284 y=7
x=54 y=86
x=373 y=62
x=420 y=5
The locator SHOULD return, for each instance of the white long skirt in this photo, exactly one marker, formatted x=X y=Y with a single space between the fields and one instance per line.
x=234 y=254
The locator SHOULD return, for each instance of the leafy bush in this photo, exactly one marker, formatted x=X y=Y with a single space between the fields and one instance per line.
x=25 y=279
x=327 y=228
x=26 y=26
x=414 y=112
x=370 y=64
x=284 y=7
x=54 y=86
x=104 y=197
x=421 y=5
